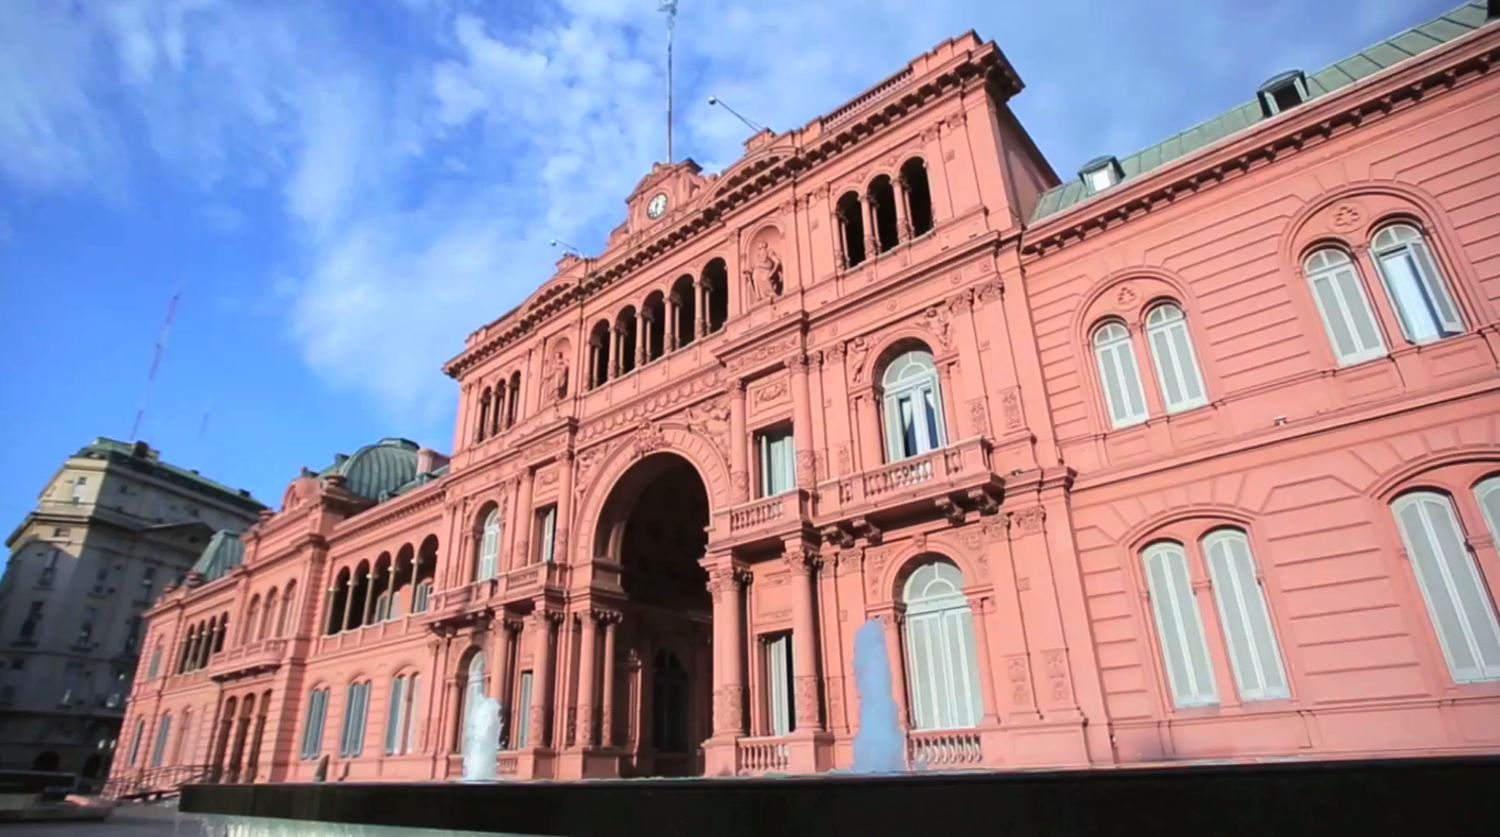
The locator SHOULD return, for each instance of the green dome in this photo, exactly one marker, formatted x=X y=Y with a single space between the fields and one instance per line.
x=224 y=552
x=377 y=471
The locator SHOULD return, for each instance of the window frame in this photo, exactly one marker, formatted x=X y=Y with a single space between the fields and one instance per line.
x=1361 y=354
x=1114 y=345
x=1181 y=367
x=1202 y=694
x=924 y=388
x=311 y=746
x=486 y=562
x=1222 y=587
x=951 y=685
x=546 y=527
x=356 y=717
x=775 y=456
x=1426 y=273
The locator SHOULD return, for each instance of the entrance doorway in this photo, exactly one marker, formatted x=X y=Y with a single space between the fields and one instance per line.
x=654 y=524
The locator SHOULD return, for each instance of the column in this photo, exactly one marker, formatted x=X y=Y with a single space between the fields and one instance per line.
x=564 y=507
x=802 y=437
x=349 y=600
x=673 y=302
x=521 y=521
x=588 y=660
x=872 y=233
x=739 y=471
x=903 y=210
x=642 y=336
x=701 y=313
x=979 y=612
x=949 y=405
x=614 y=351
x=541 y=623
x=607 y=710
x=724 y=581
x=871 y=452
x=803 y=560
x=1011 y=644
x=369 y=597
x=891 y=621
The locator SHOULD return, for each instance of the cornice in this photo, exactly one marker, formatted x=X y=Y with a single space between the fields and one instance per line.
x=1310 y=126
x=381 y=515
x=828 y=137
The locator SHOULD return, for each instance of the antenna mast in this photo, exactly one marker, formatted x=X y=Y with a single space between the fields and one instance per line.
x=670 y=7
x=161 y=345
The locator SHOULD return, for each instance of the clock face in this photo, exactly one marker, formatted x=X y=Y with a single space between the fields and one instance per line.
x=657 y=206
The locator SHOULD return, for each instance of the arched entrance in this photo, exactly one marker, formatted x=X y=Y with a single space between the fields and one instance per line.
x=654 y=525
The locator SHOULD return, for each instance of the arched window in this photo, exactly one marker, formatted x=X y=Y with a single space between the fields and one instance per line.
x=135 y=741
x=473 y=690
x=684 y=299
x=1487 y=492
x=1119 y=374
x=1344 y=307
x=1457 y=601
x=338 y=603
x=489 y=547
x=653 y=312
x=716 y=279
x=268 y=616
x=182 y=751
x=850 y=214
x=154 y=667
x=252 y=615
x=395 y=716
x=1172 y=354
x=163 y=732
x=918 y=195
x=312 y=727
x=942 y=670
x=497 y=415
x=625 y=341
x=356 y=710
x=223 y=630
x=484 y=416
x=882 y=198
x=1423 y=305
x=1179 y=624
x=1244 y=616
x=599 y=348
x=288 y=610
x=513 y=406
x=913 y=405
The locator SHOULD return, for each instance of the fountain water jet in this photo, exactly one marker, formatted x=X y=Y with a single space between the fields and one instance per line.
x=879 y=745
x=482 y=740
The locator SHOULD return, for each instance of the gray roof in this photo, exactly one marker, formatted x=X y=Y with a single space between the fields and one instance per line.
x=377 y=471
x=142 y=456
x=224 y=552
x=1414 y=41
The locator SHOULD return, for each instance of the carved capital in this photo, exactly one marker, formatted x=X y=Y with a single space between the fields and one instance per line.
x=1028 y=521
x=737 y=387
x=834 y=353
x=797 y=361
x=802 y=557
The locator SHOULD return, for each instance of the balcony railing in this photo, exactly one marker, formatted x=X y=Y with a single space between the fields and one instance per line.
x=769 y=513
x=757 y=756
x=944 y=749
x=959 y=467
x=258 y=654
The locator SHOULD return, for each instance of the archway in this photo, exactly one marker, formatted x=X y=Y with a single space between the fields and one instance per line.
x=654 y=525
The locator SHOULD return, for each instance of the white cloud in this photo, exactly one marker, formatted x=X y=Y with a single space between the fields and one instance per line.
x=425 y=157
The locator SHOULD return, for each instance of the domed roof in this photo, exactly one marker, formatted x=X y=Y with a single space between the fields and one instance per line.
x=224 y=552
x=377 y=471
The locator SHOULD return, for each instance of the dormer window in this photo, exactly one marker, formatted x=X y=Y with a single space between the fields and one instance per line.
x=1101 y=173
x=1282 y=93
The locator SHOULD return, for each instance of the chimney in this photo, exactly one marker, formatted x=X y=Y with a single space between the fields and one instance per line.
x=140 y=450
x=426 y=461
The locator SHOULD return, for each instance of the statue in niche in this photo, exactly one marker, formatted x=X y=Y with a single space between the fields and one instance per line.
x=765 y=273
x=557 y=378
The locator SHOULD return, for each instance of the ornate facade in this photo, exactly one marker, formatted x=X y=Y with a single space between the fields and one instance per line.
x=1194 y=456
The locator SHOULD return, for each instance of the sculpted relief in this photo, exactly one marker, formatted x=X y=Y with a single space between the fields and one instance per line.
x=763 y=273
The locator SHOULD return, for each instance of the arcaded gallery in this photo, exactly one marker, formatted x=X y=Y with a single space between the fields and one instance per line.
x=1184 y=455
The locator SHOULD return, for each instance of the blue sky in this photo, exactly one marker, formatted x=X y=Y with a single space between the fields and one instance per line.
x=343 y=190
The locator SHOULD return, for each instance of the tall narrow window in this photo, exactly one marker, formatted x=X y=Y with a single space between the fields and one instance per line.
x=513 y=407
x=1119 y=374
x=913 y=406
x=1345 y=308
x=409 y=735
x=147 y=581
x=850 y=212
x=419 y=596
x=356 y=707
x=49 y=569
x=941 y=665
x=1172 y=353
x=135 y=741
x=778 y=461
x=1457 y=601
x=1245 y=617
x=1180 y=626
x=489 y=547
x=473 y=690
x=312 y=730
x=395 y=720
x=1423 y=305
x=523 y=711
x=1487 y=492
x=155 y=666
x=779 y=684
x=918 y=195
x=163 y=732
x=78 y=488
x=546 y=524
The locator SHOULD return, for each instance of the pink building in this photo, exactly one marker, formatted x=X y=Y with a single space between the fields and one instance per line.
x=1195 y=454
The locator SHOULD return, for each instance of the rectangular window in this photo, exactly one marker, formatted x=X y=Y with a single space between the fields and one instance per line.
x=394 y=722
x=72 y=683
x=78 y=487
x=523 y=712
x=33 y=621
x=147 y=582
x=86 y=630
x=1245 y=617
x=546 y=525
x=778 y=461
x=101 y=579
x=162 y=733
x=133 y=635
x=420 y=596
x=312 y=732
x=135 y=742
x=779 y=684
x=49 y=569
x=1179 y=624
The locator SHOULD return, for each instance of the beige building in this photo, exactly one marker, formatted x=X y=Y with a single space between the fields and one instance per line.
x=112 y=527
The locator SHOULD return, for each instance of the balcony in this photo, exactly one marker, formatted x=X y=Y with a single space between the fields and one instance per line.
x=248 y=660
x=952 y=478
x=759 y=756
x=466 y=602
x=766 y=516
x=953 y=749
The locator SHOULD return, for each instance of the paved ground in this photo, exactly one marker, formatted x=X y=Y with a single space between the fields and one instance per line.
x=126 y=821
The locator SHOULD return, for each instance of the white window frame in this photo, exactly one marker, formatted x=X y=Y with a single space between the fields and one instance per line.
x=1331 y=265
x=1403 y=242
x=779 y=685
x=523 y=710
x=409 y=731
x=421 y=596
x=942 y=665
x=159 y=748
x=1114 y=357
x=135 y=742
x=911 y=380
x=395 y=720
x=1171 y=347
x=778 y=461
x=489 y=547
x=1170 y=586
x=1443 y=584
x=547 y=525
x=1244 y=616
x=356 y=713
x=317 y=717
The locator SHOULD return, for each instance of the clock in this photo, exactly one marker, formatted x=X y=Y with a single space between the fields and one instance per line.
x=657 y=206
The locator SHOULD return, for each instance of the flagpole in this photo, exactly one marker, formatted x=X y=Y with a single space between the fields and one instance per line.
x=670 y=7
